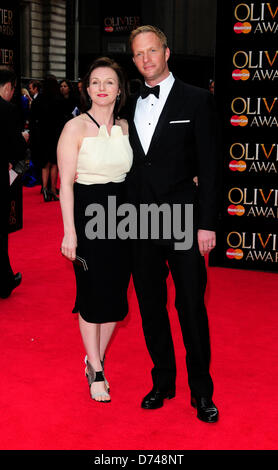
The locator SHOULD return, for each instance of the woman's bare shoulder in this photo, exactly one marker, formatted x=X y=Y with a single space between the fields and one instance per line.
x=76 y=124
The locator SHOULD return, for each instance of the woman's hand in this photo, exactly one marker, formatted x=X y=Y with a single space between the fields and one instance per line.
x=68 y=247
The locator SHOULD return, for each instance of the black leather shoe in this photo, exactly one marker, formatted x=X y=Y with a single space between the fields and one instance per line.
x=206 y=409
x=155 y=398
x=16 y=281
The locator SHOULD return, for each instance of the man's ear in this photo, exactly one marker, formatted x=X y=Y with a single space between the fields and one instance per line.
x=7 y=88
x=167 y=53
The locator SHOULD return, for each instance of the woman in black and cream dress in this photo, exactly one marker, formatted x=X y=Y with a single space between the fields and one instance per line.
x=95 y=147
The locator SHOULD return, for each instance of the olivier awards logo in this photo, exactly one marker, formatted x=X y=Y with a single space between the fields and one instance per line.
x=6 y=31
x=6 y=22
x=252 y=247
x=6 y=56
x=254 y=158
x=253 y=202
x=121 y=24
x=256 y=17
x=254 y=111
x=255 y=65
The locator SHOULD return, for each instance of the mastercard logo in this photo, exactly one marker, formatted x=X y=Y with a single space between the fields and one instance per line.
x=244 y=28
x=109 y=29
x=232 y=253
x=236 y=210
x=243 y=74
x=239 y=121
x=234 y=165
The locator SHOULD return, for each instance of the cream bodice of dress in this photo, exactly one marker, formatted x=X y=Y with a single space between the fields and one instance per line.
x=104 y=158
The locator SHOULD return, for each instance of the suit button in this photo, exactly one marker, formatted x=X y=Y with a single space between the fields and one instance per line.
x=148 y=164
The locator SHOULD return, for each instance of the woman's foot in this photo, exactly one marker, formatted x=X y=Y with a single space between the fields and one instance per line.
x=105 y=379
x=46 y=195
x=54 y=195
x=98 y=389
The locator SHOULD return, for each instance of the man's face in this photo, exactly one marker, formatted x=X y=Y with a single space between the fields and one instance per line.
x=9 y=91
x=32 y=89
x=150 y=57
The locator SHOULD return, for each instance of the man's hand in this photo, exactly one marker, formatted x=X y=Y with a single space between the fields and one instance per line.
x=206 y=241
x=25 y=134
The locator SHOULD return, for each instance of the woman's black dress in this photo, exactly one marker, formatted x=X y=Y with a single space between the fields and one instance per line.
x=102 y=267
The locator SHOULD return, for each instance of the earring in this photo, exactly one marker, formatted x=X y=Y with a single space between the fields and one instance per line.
x=118 y=99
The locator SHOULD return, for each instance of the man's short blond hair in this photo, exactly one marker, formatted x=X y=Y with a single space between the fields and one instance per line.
x=148 y=29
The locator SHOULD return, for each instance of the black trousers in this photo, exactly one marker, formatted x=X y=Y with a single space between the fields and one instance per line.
x=6 y=272
x=151 y=264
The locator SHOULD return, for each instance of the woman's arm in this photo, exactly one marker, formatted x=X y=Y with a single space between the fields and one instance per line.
x=67 y=153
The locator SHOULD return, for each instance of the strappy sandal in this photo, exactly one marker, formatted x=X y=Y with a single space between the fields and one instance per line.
x=95 y=376
x=102 y=365
x=105 y=380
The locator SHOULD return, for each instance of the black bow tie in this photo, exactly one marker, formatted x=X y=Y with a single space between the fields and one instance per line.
x=146 y=91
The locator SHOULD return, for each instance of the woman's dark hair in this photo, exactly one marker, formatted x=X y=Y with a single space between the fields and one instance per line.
x=50 y=87
x=104 y=62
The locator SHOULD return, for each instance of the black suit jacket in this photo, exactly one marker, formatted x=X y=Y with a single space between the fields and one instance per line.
x=35 y=137
x=13 y=148
x=178 y=152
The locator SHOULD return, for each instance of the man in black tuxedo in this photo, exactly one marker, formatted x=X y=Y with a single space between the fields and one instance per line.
x=173 y=132
x=13 y=148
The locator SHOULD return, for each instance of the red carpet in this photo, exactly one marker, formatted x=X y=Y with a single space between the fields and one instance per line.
x=45 y=400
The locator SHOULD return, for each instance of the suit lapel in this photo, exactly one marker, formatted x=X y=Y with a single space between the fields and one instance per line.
x=169 y=107
x=134 y=137
x=136 y=143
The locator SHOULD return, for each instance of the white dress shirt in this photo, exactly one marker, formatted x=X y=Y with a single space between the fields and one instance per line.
x=148 y=110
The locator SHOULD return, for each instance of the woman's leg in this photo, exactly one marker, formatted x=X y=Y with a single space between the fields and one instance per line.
x=106 y=331
x=53 y=178
x=45 y=175
x=91 y=333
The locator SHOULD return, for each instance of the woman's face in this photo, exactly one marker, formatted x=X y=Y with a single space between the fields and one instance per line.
x=64 y=89
x=103 y=86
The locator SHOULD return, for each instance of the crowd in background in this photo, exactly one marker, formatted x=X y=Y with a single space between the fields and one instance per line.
x=45 y=108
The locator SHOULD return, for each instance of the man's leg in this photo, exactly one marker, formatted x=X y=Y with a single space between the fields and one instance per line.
x=189 y=276
x=150 y=272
